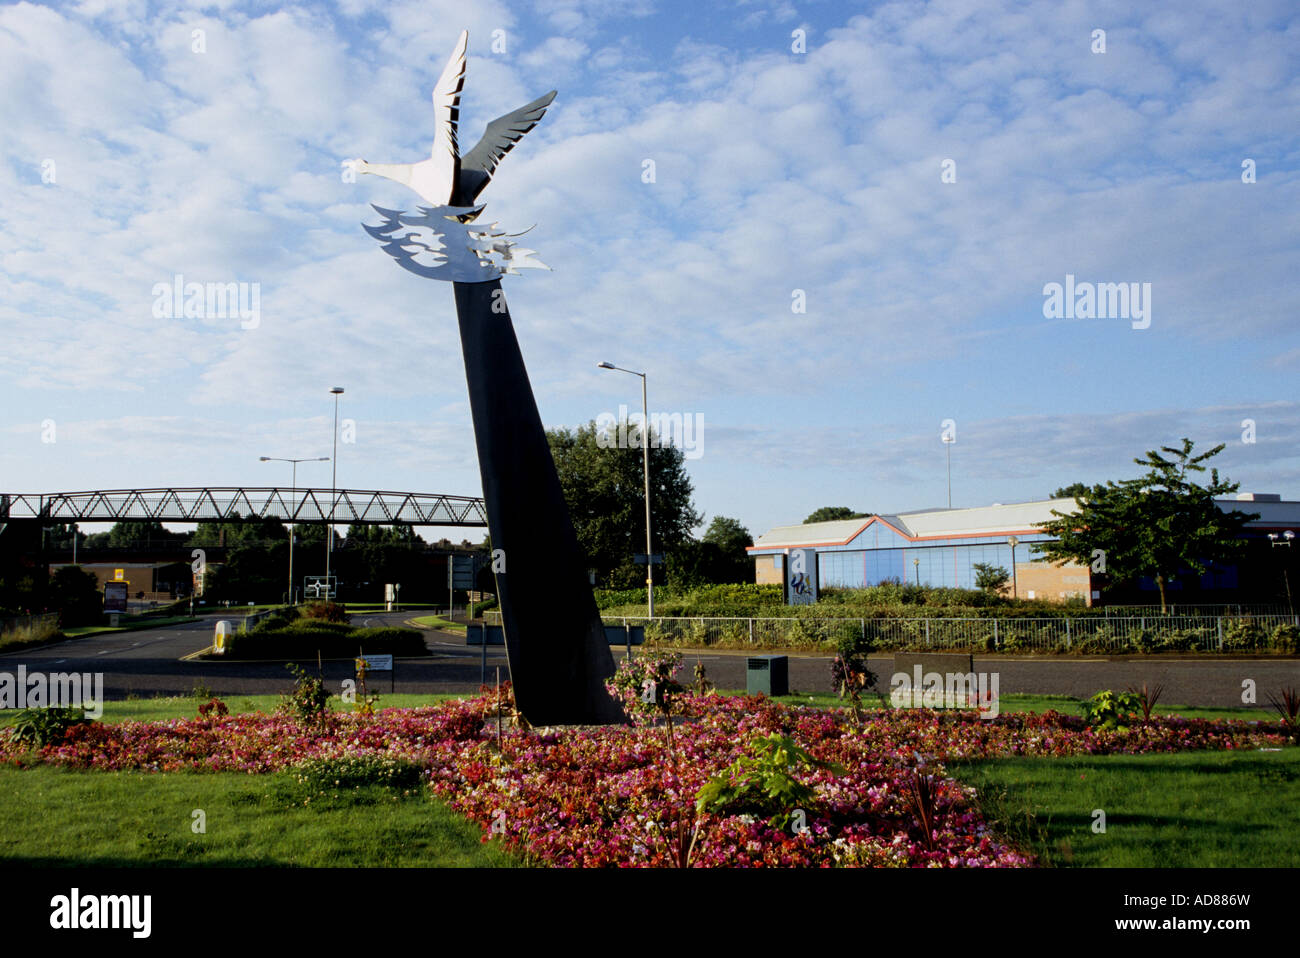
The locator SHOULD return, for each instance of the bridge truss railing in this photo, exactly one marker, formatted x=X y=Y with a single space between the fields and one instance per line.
x=234 y=503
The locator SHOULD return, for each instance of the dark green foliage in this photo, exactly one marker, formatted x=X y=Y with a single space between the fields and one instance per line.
x=762 y=783
x=989 y=577
x=42 y=727
x=1161 y=524
x=832 y=513
x=332 y=640
x=75 y=594
x=308 y=701
x=1112 y=710
x=604 y=490
x=325 y=612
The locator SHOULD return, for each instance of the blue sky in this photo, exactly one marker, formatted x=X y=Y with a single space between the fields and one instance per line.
x=775 y=171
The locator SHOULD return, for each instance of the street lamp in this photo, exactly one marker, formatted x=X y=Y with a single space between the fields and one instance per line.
x=1287 y=538
x=334 y=484
x=1013 y=542
x=916 y=568
x=645 y=463
x=293 y=506
x=947 y=444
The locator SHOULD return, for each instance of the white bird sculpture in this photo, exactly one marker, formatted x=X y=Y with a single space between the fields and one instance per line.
x=447 y=179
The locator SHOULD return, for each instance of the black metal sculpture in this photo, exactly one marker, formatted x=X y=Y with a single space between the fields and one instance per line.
x=555 y=641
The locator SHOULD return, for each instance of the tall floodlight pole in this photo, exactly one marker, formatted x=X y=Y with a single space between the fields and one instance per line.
x=645 y=468
x=334 y=486
x=293 y=506
x=558 y=664
x=947 y=443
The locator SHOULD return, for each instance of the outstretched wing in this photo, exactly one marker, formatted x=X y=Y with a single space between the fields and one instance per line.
x=478 y=165
x=446 y=99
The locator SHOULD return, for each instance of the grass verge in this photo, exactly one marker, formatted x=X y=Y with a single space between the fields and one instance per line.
x=437 y=622
x=1188 y=810
x=55 y=817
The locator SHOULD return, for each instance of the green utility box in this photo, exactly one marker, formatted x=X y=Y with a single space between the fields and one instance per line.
x=768 y=674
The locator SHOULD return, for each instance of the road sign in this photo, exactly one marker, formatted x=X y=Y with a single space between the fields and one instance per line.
x=656 y=559
x=320 y=586
x=460 y=572
x=119 y=575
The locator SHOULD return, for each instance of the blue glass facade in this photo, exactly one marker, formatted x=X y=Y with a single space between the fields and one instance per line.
x=878 y=554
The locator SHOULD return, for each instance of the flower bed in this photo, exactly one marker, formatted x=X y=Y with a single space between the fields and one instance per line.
x=616 y=796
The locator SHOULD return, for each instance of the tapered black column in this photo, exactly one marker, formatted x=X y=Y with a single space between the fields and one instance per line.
x=555 y=642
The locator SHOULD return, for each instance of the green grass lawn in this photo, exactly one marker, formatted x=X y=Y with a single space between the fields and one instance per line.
x=129 y=624
x=438 y=622
x=1034 y=703
x=52 y=816
x=159 y=709
x=1187 y=810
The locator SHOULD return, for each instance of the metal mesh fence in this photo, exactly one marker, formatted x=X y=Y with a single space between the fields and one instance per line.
x=1087 y=635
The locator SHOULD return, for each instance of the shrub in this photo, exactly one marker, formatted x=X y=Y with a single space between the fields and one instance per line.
x=41 y=727
x=213 y=708
x=1285 y=638
x=303 y=640
x=327 y=611
x=1112 y=710
x=762 y=783
x=308 y=701
x=1244 y=635
x=646 y=685
x=477 y=609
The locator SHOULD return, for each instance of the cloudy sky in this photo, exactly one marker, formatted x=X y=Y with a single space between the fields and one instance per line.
x=822 y=229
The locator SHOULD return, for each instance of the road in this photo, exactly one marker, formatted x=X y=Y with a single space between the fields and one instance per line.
x=149 y=663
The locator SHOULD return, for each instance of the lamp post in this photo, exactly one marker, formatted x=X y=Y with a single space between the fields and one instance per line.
x=334 y=483
x=916 y=569
x=293 y=500
x=1013 y=542
x=645 y=464
x=1287 y=537
x=947 y=445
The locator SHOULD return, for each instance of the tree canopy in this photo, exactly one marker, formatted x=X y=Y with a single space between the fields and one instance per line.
x=831 y=513
x=604 y=490
x=1075 y=490
x=1160 y=524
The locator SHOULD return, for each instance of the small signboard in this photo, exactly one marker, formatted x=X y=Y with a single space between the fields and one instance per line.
x=115 y=596
x=801 y=577
x=496 y=635
x=377 y=663
x=119 y=575
x=655 y=559
x=320 y=586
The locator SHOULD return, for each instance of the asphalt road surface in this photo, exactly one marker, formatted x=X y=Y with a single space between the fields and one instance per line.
x=150 y=662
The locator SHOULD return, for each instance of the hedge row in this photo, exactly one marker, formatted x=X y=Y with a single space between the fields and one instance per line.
x=302 y=642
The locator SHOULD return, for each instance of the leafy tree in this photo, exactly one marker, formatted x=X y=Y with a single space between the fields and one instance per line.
x=728 y=535
x=74 y=594
x=989 y=577
x=604 y=490
x=1157 y=525
x=134 y=535
x=59 y=537
x=1075 y=490
x=831 y=513
x=242 y=532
